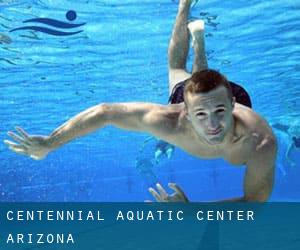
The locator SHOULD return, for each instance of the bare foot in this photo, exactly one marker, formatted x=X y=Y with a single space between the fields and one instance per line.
x=196 y=29
x=196 y=26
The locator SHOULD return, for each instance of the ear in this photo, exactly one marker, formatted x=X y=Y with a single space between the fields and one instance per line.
x=188 y=116
x=233 y=101
x=186 y=113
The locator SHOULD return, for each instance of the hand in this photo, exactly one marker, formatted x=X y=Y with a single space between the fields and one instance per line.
x=33 y=146
x=163 y=196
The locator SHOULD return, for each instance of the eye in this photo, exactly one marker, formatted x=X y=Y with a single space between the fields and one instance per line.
x=220 y=111
x=201 y=114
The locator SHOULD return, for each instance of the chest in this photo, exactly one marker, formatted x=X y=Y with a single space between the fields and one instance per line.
x=239 y=152
x=236 y=153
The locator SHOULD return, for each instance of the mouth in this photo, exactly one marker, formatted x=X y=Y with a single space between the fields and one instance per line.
x=215 y=131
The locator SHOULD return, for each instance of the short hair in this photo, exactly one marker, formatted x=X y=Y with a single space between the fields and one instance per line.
x=205 y=81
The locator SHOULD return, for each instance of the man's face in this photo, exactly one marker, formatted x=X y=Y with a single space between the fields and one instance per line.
x=210 y=114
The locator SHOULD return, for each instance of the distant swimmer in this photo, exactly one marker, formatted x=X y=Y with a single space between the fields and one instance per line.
x=145 y=169
x=146 y=161
x=161 y=149
x=208 y=117
x=283 y=142
x=293 y=131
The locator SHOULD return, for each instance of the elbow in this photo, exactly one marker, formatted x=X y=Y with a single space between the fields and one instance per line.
x=94 y=117
x=103 y=110
x=104 y=106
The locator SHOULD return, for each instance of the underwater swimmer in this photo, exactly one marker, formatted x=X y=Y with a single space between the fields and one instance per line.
x=178 y=50
x=163 y=149
x=145 y=169
x=294 y=145
x=293 y=132
x=208 y=124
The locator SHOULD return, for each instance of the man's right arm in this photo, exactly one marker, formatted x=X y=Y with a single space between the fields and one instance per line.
x=146 y=117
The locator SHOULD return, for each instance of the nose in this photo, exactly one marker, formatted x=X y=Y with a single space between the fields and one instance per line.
x=213 y=123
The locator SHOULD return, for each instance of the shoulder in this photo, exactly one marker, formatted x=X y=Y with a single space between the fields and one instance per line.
x=166 y=116
x=255 y=128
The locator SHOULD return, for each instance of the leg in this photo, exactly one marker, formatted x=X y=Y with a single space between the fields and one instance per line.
x=179 y=46
x=196 y=29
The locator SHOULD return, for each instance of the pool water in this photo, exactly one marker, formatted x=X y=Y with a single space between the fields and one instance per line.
x=120 y=56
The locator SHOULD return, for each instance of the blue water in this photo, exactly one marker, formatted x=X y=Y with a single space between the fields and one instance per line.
x=120 y=56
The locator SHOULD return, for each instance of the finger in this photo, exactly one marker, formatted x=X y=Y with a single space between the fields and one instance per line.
x=16 y=137
x=162 y=192
x=18 y=150
x=154 y=194
x=177 y=189
x=9 y=143
x=12 y=144
x=23 y=133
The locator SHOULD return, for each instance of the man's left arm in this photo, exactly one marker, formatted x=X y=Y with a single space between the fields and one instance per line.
x=258 y=180
x=259 y=177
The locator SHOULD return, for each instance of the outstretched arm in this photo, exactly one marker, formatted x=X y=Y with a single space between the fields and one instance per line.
x=145 y=117
x=258 y=181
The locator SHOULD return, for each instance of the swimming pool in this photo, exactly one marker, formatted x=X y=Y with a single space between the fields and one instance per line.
x=121 y=55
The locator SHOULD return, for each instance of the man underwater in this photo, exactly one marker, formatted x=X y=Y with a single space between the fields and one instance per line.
x=292 y=129
x=208 y=117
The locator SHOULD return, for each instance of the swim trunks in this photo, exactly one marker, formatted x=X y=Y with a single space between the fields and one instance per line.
x=240 y=94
